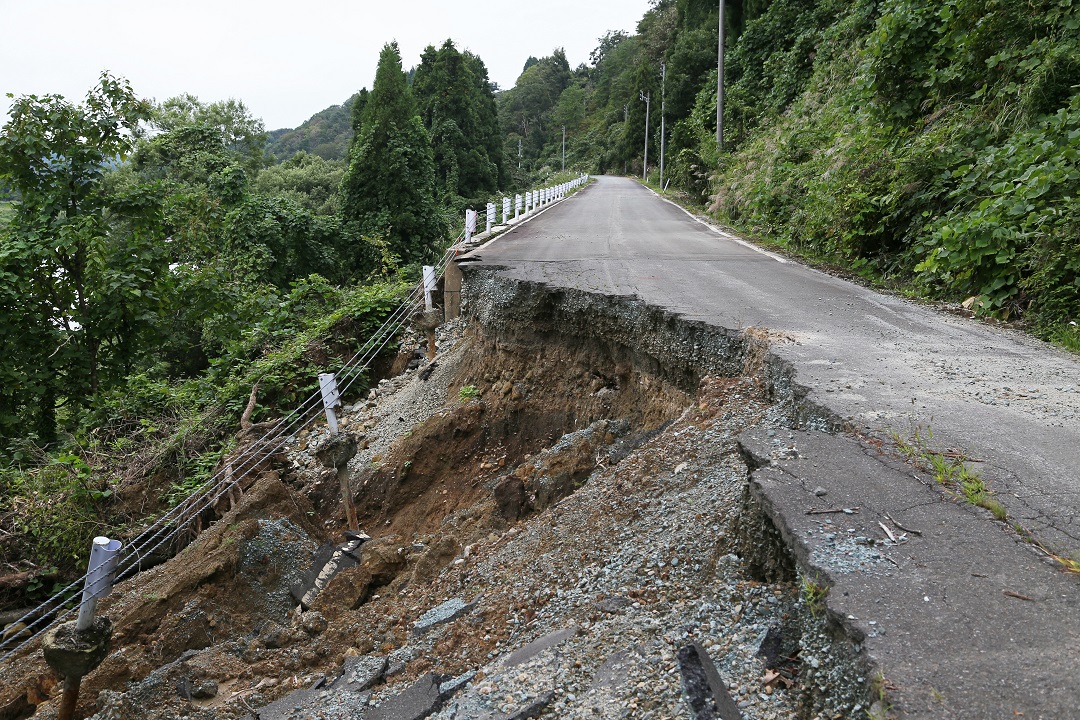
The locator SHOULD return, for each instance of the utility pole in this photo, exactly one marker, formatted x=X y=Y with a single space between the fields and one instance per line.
x=646 y=97
x=663 y=105
x=720 y=84
x=519 y=153
x=564 y=148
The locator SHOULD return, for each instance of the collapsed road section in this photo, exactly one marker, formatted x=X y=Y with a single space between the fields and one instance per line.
x=583 y=507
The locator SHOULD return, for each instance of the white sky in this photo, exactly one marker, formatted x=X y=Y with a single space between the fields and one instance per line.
x=285 y=60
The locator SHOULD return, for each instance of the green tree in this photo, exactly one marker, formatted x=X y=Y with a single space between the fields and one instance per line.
x=306 y=179
x=81 y=269
x=389 y=186
x=525 y=111
x=458 y=108
x=242 y=134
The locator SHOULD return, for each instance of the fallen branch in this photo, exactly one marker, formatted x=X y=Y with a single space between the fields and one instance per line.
x=1017 y=595
x=907 y=530
x=887 y=531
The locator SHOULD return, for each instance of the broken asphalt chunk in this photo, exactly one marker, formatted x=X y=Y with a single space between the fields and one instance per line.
x=440 y=615
x=703 y=688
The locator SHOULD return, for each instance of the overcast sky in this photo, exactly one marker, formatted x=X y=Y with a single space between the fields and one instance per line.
x=285 y=60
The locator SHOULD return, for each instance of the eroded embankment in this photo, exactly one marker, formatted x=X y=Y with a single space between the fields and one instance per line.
x=569 y=469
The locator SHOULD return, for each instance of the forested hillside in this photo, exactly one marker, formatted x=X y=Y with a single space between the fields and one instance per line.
x=157 y=268
x=326 y=134
x=929 y=146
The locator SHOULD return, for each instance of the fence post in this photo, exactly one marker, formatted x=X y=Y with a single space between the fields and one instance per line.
x=75 y=655
x=506 y=210
x=104 y=555
x=470 y=224
x=430 y=281
x=331 y=399
x=518 y=204
x=490 y=216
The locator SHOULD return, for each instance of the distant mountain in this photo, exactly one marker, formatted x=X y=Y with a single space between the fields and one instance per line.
x=327 y=134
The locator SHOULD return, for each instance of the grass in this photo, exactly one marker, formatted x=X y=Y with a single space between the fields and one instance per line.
x=950 y=470
x=468 y=392
x=814 y=594
x=1067 y=336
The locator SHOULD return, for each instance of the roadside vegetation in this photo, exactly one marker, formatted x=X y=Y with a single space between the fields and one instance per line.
x=931 y=148
x=157 y=264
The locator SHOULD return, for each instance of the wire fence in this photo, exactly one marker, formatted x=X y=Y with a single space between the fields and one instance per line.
x=180 y=519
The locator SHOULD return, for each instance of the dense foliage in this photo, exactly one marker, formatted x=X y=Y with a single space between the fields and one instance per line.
x=153 y=269
x=389 y=185
x=457 y=104
x=158 y=261
x=931 y=146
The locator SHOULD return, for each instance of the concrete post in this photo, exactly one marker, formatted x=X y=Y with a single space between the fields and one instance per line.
x=430 y=282
x=470 y=224
x=518 y=204
x=506 y=210
x=104 y=555
x=452 y=290
x=490 y=217
x=74 y=649
x=331 y=399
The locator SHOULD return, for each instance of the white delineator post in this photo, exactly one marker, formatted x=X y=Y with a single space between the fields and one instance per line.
x=331 y=399
x=470 y=224
x=104 y=555
x=490 y=216
x=430 y=283
x=518 y=205
x=506 y=210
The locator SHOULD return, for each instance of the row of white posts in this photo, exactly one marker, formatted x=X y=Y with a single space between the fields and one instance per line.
x=525 y=204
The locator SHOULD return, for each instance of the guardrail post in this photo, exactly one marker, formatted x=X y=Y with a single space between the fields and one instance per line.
x=430 y=282
x=331 y=399
x=518 y=204
x=470 y=224
x=506 y=210
x=73 y=650
x=490 y=216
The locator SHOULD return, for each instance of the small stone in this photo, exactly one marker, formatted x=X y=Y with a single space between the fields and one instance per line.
x=820 y=491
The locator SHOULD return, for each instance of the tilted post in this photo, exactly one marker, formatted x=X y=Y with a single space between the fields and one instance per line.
x=430 y=283
x=104 y=555
x=331 y=399
x=73 y=650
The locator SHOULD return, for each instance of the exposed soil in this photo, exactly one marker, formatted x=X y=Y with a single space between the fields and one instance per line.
x=572 y=472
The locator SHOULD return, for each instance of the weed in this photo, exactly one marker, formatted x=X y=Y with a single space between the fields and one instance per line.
x=814 y=594
x=468 y=392
x=950 y=470
x=879 y=690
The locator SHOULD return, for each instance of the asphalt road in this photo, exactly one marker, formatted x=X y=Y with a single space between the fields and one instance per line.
x=886 y=364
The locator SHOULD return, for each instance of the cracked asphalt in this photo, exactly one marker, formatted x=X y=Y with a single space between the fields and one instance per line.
x=884 y=364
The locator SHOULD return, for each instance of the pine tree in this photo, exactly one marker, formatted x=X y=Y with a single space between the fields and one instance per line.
x=389 y=187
